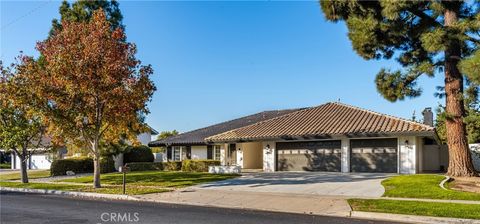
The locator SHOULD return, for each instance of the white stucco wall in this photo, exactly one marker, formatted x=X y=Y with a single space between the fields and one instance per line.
x=345 y=155
x=407 y=160
x=199 y=152
x=268 y=156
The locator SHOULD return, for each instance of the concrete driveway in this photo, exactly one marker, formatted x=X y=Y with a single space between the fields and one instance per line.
x=315 y=183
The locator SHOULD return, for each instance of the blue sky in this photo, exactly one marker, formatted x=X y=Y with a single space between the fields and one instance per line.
x=216 y=61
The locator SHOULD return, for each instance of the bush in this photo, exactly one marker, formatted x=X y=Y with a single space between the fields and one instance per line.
x=172 y=166
x=107 y=165
x=145 y=166
x=60 y=167
x=198 y=165
x=138 y=154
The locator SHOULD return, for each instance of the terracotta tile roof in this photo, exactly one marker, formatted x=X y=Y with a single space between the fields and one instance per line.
x=325 y=121
x=197 y=137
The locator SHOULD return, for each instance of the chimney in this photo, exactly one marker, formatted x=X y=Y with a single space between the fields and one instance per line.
x=428 y=116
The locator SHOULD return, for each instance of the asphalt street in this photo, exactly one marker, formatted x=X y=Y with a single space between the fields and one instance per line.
x=38 y=208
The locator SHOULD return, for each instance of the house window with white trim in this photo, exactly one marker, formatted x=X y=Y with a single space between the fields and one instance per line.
x=177 y=153
x=216 y=152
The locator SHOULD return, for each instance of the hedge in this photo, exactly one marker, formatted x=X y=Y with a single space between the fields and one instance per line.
x=198 y=165
x=141 y=166
x=60 y=167
x=135 y=154
x=172 y=166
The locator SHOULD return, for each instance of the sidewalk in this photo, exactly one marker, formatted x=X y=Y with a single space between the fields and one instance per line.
x=303 y=204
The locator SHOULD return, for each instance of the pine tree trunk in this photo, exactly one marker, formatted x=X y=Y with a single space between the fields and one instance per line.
x=96 y=165
x=23 y=168
x=460 y=160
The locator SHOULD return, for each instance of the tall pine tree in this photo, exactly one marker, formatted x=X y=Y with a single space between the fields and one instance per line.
x=428 y=38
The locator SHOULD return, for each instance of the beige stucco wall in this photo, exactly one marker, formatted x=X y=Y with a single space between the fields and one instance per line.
x=252 y=155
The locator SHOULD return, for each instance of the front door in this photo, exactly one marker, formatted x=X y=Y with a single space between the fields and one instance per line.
x=232 y=154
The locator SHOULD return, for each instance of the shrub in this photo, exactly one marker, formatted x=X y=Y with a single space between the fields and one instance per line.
x=78 y=165
x=141 y=166
x=138 y=154
x=107 y=165
x=198 y=165
x=60 y=167
x=172 y=166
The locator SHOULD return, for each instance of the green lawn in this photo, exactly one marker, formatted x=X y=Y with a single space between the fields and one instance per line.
x=32 y=174
x=454 y=210
x=423 y=186
x=157 y=178
x=5 y=165
x=131 y=190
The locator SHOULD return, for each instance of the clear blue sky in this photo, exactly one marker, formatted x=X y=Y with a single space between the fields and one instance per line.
x=216 y=61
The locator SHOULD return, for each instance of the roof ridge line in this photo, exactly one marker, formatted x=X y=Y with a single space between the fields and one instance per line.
x=243 y=117
x=381 y=114
x=260 y=122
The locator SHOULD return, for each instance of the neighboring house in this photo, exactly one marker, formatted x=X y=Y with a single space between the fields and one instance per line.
x=42 y=159
x=331 y=137
x=192 y=145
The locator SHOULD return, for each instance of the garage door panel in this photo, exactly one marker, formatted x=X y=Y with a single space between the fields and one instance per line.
x=309 y=156
x=374 y=155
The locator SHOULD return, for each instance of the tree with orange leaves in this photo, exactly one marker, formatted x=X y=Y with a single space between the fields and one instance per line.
x=93 y=86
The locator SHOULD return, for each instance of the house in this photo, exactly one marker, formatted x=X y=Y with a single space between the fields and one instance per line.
x=332 y=137
x=42 y=159
x=192 y=145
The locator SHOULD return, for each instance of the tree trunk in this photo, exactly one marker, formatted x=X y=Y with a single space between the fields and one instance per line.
x=460 y=160
x=23 y=167
x=96 y=165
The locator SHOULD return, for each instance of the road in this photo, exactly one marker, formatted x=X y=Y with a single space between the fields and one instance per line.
x=37 y=208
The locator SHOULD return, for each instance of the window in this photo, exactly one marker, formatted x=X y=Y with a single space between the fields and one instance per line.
x=216 y=152
x=177 y=153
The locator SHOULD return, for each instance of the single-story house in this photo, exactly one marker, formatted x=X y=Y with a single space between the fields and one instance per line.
x=192 y=144
x=42 y=159
x=331 y=137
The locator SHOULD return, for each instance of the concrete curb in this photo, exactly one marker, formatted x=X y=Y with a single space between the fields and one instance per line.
x=71 y=193
x=411 y=218
x=442 y=184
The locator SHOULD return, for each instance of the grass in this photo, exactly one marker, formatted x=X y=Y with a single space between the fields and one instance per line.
x=454 y=210
x=5 y=165
x=32 y=174
x=423 y=186
x=131 y=190
x=156 y=178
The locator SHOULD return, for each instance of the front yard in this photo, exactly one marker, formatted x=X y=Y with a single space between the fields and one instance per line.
x=156 y=178
x=422 y=186
x=454 y=210
x=32 y=174
x=140 y=182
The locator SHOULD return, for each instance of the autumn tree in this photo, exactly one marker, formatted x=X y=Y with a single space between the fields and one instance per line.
x=94 y=86
x=427 y=38
x=22 y=130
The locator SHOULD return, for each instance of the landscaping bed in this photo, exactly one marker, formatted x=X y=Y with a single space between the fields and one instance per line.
x=106 y=189
x=423 y=186
x=157 y=178
x=438 y=209
x=470 y=184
